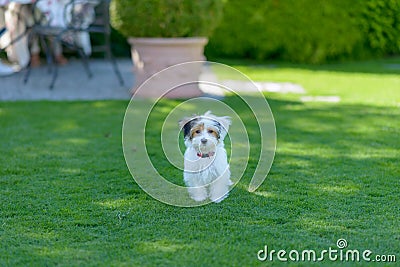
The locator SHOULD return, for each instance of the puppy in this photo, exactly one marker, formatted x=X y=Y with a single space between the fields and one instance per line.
x=206 y=169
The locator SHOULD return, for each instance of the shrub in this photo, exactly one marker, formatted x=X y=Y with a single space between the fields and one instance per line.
x=165 y=18
x=307 y=31
x=381 y=25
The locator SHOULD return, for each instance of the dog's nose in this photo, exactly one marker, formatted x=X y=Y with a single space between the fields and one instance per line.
x=203 y=140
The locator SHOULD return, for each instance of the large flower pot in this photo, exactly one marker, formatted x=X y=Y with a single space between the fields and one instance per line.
x=152 y=55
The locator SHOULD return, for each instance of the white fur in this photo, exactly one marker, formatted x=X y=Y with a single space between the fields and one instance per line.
x=208 y=176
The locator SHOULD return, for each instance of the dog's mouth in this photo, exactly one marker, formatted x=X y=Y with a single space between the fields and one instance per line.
x=206 y=150
x=206 y=155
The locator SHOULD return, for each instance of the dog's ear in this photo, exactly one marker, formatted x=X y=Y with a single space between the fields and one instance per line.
x=183 y=121
x=208 y=114
x=185 y=124
x=225 y=121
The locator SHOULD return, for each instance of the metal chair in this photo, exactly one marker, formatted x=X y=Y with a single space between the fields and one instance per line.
x=101 y=25
x=78 y=16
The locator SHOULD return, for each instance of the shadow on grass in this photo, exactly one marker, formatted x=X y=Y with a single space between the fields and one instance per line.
x=68 y=198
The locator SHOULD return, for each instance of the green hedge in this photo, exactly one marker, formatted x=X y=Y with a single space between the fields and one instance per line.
x=307 y=31
x=381 y=25
x=165 y=18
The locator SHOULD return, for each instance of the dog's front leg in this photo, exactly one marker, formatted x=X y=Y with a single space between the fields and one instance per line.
x=219 y=189
x=196 y=191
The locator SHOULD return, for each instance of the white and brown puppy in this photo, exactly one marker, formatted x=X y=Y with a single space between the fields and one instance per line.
x=206 y=168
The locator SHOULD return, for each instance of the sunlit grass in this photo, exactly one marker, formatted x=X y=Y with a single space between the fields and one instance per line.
x=372 y=82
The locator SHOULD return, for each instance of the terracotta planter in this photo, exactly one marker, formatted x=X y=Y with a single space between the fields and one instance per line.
x=151 y=55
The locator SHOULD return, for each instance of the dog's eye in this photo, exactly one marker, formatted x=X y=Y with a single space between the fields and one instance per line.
x=197 y=131
x=210 y=131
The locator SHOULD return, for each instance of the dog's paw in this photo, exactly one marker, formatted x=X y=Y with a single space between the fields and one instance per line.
x=199 y=198
x=198 y=193
x=218 y=199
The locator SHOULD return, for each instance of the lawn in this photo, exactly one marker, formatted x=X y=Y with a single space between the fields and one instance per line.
x=68 y=199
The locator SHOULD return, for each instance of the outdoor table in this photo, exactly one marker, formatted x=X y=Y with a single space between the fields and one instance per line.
x=54 y=10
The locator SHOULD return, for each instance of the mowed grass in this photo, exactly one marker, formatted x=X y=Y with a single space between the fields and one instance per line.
x=68 y=199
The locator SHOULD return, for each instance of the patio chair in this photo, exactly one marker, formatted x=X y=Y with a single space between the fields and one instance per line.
x=101 y=25
x=77 y=17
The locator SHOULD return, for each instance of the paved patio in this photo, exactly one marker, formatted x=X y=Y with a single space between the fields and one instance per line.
x=72 y=82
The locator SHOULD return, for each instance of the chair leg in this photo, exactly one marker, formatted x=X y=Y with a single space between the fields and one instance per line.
x=29 y=67
x=116 y=70
x=27 y=73
x=50 y=57
x=85 y=62
x=111 y=58
x=54 y=77
x=81 y=53
x=48 y=53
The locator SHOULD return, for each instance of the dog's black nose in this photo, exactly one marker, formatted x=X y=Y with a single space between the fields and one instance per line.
x=203 y=140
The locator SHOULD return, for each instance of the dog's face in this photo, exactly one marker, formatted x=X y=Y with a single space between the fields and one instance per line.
x=204 y=132
x=203 y=135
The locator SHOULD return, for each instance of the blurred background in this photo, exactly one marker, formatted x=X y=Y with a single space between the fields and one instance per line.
x=301 y=31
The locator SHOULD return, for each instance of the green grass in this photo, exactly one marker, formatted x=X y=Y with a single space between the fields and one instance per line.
x=368 y=82
x=68 y=199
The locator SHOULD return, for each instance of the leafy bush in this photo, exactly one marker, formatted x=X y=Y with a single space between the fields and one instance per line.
x=165 y=18
x=381 y=24
x=307 y=30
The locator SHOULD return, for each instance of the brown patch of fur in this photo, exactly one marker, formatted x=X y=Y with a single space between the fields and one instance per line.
x=199 y=127
x=213 y=132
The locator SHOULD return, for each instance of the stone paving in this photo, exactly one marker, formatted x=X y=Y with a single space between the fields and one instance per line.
x=72 y=82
